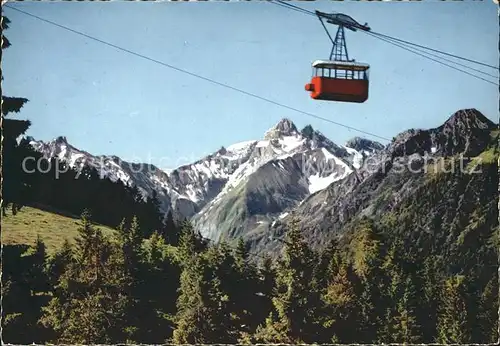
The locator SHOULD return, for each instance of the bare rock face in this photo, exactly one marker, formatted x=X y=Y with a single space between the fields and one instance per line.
x=285 y=127
x=466 y=132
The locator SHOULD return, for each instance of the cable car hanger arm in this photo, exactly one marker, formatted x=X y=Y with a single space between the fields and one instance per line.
x=324 y=26
x=344 y=20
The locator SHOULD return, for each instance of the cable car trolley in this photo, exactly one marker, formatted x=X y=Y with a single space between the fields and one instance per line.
x=339 y=79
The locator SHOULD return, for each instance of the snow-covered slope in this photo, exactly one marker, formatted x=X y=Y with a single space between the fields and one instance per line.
x=282 y=169
x=238 y=189
x=146 y=177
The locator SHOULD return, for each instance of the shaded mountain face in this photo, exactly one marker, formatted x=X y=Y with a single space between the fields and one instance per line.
x=466 y=132
x=273 y=175
x=147 y=178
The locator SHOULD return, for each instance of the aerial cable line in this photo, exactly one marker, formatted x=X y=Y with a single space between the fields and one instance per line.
x=380 y=36
x=439 y=62
x=198 y=76
x=436 y=50
x=291 y=7
x=445 y=59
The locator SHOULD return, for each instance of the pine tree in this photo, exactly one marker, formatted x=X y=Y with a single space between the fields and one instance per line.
x=328 y=265
x=296 y=319
x=151 y=217
x=392 y=289
x=130 y=240
x=430 y=280
x=38 y=274
x=265 y=291
x=241 y=255
x=453 y=326
x=192 y=322
x=87 y=303
x=59 y=262
x=170 y=232
x=205 y=311
x=226 y=311
x=24 y=292
x=341 y=309
x=369 y=252
x=488 y=313
x=160 y=291
x=136 y=308
x=190 y=243
x=92 y=252
x=15 y=187
x=154 y=250
x=407 y=329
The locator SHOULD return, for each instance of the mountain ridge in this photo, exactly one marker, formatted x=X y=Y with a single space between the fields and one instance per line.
x=409 y=164
x=187 y=188
x=251 y=188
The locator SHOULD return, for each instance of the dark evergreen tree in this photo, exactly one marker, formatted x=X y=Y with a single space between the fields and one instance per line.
x=487 y=324
x=160 y=290
x=15 y=187
x=170 y=231
x=87 y=303
x=369 y=252
x=453 y=320
x=341 y=312
x=24 y=292
x=296 y=303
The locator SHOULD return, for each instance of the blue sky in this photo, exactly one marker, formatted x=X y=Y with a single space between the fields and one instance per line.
x=108 y=102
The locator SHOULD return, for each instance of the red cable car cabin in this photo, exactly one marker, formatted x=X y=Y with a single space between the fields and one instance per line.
x=344 y=81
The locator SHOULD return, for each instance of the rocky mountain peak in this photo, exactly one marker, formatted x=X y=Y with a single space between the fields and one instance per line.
x=468 y=119
x=61 y=140
x=362 y=144
x=466 y=132
x=285 y=127
x=29 y=139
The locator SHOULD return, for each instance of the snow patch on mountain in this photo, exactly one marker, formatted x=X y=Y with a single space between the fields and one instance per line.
x=240 y=147
x=290 y=143
x=357 y=159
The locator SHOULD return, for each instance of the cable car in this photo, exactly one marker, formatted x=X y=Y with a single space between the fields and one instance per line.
x=339 y=79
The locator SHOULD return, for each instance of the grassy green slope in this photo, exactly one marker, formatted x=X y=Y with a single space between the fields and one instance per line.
x=52 y=227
